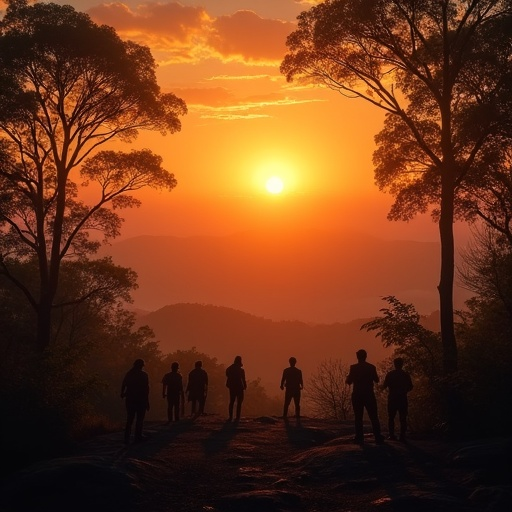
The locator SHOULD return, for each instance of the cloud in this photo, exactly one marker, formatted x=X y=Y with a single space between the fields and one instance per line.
x=240 y=77
x=176 y=31
x=255 y=107
x=245 y=35
x=179 y=33
x=170 y=20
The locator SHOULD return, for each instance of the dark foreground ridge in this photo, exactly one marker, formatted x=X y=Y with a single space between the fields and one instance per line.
x=265 y=465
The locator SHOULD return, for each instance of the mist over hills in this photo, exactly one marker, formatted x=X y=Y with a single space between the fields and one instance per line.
x=310 y=275
x=265 y=345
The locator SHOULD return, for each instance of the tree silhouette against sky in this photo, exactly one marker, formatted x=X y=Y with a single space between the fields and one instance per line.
x=441 y=72
x=70 y=86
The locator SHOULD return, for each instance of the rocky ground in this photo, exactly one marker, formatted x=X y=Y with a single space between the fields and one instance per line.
x=265 y=465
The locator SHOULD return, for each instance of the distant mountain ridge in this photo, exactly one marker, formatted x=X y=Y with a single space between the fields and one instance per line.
x=264 y=344
x=312 y=276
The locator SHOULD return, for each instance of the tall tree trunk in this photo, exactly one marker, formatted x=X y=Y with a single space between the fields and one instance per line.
x=447 y=273
x=44 y=322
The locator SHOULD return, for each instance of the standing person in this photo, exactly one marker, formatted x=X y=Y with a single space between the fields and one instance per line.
x=292 y=381
x=363 y=375
x=237 y=385
x=135 y=388
x=197 y=387
x=172 y=388
x=399 y=383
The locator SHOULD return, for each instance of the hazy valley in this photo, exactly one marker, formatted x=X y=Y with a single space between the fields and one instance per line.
x=311 y=276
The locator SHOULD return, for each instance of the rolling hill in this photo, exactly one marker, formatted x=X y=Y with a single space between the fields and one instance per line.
x=264 y=344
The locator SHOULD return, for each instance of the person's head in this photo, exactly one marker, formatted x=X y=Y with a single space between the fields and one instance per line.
x=292 y=361
x=138 y=364
x=399 y=363
x=174 y=366
x=361 y=355
x=198 y=364
x=238 y=360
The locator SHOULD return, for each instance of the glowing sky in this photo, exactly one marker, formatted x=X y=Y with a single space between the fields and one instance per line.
x=246 y=124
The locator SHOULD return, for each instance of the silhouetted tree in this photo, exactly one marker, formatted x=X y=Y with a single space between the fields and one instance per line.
x=485 y=331
x=486 y=267
x=400 y=327
x=72 y=388
x=492 y=203
x=327 y=394
x=69 y=86
x=441 y=73
x=431 y=407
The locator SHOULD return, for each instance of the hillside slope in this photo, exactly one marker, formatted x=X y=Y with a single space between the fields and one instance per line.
x=264 y=344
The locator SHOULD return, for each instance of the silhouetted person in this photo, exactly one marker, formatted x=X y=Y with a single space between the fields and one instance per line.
x=172 y=388
x=197 y=387
x=292 y=381
x=135 y=388
x=399 y=383
x=237 y=385
x=363 y=375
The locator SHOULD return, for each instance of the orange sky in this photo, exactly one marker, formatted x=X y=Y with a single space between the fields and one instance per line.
x=246 y=123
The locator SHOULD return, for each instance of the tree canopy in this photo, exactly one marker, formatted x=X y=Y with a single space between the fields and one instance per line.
x=69 y=86
x=441 y=72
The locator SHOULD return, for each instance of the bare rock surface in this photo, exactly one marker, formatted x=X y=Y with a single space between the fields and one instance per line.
x=265 y=465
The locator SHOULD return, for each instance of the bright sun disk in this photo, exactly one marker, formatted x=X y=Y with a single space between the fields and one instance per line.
x=274 y=185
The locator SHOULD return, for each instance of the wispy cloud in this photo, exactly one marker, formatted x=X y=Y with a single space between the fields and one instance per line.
x=245 y=109
x=239 y=77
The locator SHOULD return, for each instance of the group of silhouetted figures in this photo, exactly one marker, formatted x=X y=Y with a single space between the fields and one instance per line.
x=362 y=377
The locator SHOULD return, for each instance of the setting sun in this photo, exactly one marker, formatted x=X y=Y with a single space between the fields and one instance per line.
x=274 y=185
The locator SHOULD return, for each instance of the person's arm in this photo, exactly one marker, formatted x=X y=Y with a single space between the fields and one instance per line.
x=375 y=376
x=350 y=378
x=283 y=380
x=164 y=388
x=301 y=383
x=243 y=379
x=385 y=384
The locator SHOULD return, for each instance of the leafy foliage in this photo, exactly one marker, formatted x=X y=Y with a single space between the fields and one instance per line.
x=441 y=73
x=69 y=87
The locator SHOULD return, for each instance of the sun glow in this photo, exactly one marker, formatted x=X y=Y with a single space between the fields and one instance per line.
x=275 y=177
x=274 y=185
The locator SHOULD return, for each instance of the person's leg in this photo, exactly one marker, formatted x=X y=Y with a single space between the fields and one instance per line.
x=130 y=415
x=358 y=406
x=402 y=414
x=371 y=408
x=139 y=421
x=232 y=398
x=169 y=409
x=239 y=400
x=296 y=402
x=287 y=400
x=391 y=419
x=202 y=401
x=177 y=408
